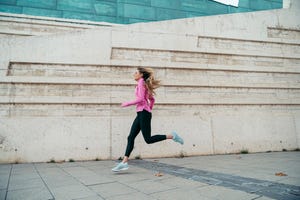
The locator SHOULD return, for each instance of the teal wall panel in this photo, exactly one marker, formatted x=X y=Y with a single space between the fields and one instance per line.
x=109 y=19
x=11 y=9
x=263 y=4
x=194 y=14
x=136 y=2
x=139 y=12
x=77 y=15
x=276 y=5
x=130 y=11
x=85 y=6
x=106 y=8
x=216 y=8
x=133 y=20
x=170 y=4
x=164 y=14
x=193 y=6
x=11 y=2
x=244 y=3
x=38 y=3
x=114 y=1
x=260 y=5
x=238 y=10
x=42 y=12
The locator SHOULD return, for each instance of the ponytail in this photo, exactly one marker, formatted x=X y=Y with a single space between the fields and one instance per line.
x=151 y=82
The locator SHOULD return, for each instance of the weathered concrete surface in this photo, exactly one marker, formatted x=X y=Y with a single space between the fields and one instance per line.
x=227 y=86
x=223 y=177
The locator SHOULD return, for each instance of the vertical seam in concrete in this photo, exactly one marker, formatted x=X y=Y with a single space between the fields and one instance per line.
x=110 y=128
x=110 y=122
x=9 y=69
x=110 y=101
x=8 y=182
x=212 y=136
x=295 y=128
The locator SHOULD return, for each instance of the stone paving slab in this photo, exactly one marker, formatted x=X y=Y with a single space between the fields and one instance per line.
x=112 y=189
x=259 y=166
x=181 y=179
x=249 y=185
x=2 y=194
x=29 y=194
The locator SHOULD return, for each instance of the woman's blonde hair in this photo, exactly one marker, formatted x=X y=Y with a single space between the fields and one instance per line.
x=151 y=82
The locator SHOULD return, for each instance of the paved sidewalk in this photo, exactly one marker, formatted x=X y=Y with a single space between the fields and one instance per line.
x=247 y=176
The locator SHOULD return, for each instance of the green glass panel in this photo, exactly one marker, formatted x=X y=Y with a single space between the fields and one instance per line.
x=75 y=5
x=42 y=12
x=38 y=3
x=106 y=8
x=139 y=12
x=11 y=2
x=171 y=4
x=11 y=9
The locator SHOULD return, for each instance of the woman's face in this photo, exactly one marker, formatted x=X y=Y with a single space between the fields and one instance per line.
x=137 y=75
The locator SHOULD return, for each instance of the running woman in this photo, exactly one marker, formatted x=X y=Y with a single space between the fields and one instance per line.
x=144 y=92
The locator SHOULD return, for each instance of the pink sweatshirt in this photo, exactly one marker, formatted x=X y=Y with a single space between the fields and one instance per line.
x=143 y=100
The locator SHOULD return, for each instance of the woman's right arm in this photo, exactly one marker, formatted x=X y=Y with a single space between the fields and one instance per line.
x=152 y=101
x=139 y=95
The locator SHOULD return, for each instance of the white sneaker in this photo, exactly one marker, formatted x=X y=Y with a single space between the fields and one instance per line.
x=177 y=138
x=121 y=166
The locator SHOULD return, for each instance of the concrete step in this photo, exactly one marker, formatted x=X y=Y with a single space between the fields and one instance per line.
x=257 y=46
x=129 y=56
x=115 y=94
x=291 y=34
x=41 y=110
x=170 y=76
x=52 y=110
x=249 y=47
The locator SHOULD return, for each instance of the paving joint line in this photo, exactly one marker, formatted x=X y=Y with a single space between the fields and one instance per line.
x=61 y=168
x=8 y=181
x=44 y=182
x=100 y=183
x=136 y=189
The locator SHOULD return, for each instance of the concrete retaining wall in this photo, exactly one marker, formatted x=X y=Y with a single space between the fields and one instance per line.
x=226 y=86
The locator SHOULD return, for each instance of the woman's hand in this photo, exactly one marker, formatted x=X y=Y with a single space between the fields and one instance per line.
x=124 y=104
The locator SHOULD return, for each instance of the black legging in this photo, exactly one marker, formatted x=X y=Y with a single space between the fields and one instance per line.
x=142 y=122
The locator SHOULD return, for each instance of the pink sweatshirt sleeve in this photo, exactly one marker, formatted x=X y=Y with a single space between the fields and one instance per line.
x=140 y=93
x=152 y=101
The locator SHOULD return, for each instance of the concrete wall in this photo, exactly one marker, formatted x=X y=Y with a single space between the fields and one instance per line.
x=227 y=86
x=130 y=11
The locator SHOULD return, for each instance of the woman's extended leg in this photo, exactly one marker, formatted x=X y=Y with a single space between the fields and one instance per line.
x=145 y=124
